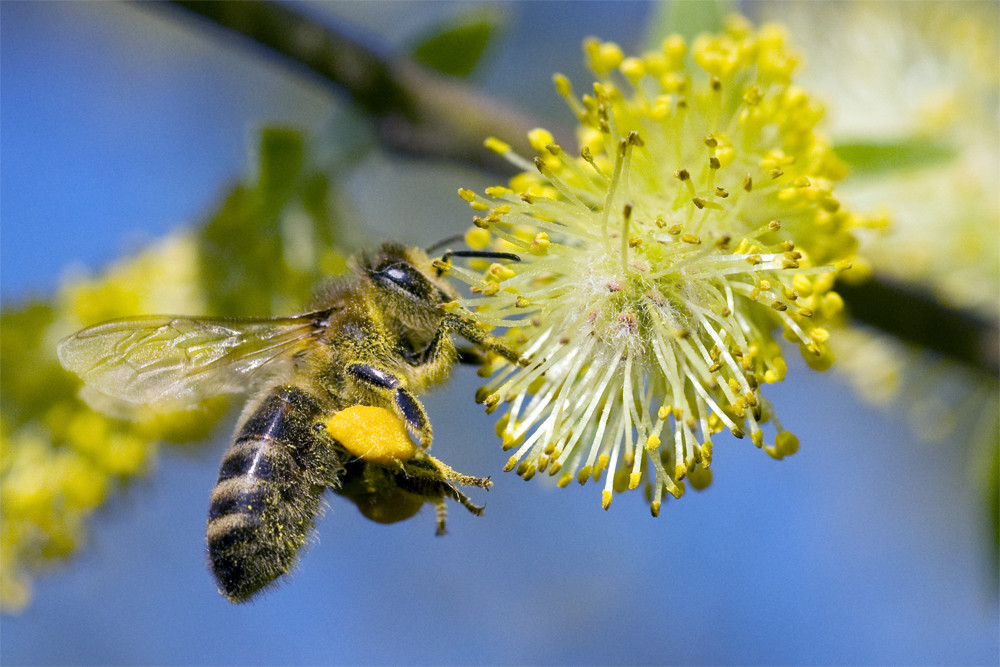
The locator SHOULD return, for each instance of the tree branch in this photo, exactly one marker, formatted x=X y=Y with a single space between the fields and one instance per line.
x=414 y=111
x=420 y=113
x=916 y=316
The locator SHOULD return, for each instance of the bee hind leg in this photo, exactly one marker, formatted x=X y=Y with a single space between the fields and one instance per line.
x=442 y=514
x=407 y=405
x=441 y=508
x=413 y=412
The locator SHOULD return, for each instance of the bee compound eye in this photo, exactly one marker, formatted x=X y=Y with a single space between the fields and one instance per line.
x=401 y=276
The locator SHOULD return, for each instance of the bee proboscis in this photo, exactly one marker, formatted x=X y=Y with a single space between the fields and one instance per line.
x=334 y=401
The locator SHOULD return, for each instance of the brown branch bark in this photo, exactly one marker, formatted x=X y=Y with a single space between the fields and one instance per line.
x=414 y=111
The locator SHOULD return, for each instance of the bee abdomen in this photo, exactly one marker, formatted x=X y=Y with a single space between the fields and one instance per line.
x=265 y=502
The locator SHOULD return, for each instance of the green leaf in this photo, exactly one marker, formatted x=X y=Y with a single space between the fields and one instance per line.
x=282 y=155
x=876 y=158
x=242 y=250
x=272 y=239
x=456 y=46
x=687 y=18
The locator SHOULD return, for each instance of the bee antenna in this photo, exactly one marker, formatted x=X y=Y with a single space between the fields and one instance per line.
x=482 y=254
x=454 y=238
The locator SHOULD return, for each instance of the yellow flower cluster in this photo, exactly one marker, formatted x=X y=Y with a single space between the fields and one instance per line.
x=921 y=90
x=696 y=218
x=59 y=459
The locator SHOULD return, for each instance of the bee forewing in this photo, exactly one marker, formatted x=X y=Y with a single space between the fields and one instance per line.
x=181 y=361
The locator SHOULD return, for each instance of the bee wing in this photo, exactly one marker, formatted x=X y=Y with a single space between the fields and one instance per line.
x=181 y=360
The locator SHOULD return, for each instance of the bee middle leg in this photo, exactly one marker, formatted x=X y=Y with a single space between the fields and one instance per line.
x=432 y=353
x=427 y=476
x=441 y=509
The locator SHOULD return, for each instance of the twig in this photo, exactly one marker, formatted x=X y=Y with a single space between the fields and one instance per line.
x=413 y=110
x=915 y=316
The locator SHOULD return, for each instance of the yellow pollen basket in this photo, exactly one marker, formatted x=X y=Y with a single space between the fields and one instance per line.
x=371 y=433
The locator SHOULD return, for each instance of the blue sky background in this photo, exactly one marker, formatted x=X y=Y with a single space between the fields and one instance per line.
x=120 y=123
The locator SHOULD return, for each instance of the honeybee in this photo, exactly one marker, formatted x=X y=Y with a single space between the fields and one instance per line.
x=334 y=403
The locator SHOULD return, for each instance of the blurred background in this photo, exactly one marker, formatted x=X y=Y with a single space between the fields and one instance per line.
x=122 y=123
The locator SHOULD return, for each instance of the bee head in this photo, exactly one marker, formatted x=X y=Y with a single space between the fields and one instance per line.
x=406 y=278
x=412 y=286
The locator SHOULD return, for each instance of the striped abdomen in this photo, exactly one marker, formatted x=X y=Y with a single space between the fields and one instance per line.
x=268 y=493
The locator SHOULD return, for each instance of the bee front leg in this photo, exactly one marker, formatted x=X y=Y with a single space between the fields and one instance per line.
x=430 y=353
x=470 y=356
x=391 y=388
x=468 y=330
